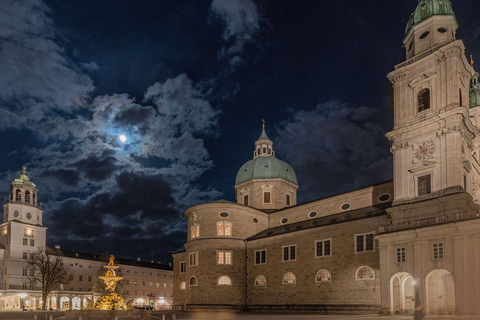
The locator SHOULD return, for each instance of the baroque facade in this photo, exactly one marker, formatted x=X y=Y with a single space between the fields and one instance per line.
x=22 y=232
x=378 y=248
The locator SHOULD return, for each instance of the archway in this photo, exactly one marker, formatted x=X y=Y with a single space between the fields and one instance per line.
x=76 y=303
x=64 y=303
x=53 y=304
x=402 y=293
x=440 y=292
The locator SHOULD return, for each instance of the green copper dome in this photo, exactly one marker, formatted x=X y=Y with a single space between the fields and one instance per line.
x=475 y=91
x=266 y=168
x=427 y=9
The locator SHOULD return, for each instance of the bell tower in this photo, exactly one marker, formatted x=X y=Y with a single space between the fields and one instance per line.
x=432 y=138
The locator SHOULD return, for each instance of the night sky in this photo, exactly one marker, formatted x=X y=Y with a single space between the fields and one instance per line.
x=188 y=82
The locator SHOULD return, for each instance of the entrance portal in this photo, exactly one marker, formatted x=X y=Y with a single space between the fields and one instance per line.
x=402 y=295
x=440 y=292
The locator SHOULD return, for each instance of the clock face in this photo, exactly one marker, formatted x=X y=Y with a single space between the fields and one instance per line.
x=424 y=151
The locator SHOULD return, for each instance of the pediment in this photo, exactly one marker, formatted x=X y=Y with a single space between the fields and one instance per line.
x=424 y=77
x=423 y=165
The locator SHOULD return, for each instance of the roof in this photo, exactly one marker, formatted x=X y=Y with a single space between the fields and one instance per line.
x=266 y=168
x=354 y=215
x=427 y=9
x=224 y=201
x=100 y=258
x=263 y=136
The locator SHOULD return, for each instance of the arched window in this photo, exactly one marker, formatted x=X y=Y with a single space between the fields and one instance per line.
x=260 y=281
x=34 y=198
x=18 y=195
x=193 y=282
x=424 y=100
x=289 y=278
x=364 y=273
x=224 y=281
x=323 y=276
x=182 y=285
x=224 y=228
x=27 y=196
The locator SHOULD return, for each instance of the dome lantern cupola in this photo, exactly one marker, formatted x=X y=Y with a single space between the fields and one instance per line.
x=266 y=182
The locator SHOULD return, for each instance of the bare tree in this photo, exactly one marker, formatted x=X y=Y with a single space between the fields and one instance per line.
x=49 y=272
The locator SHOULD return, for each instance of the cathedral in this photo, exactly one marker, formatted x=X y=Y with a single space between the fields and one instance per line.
x=387 y=248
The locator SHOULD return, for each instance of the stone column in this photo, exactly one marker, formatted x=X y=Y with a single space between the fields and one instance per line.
x=419 y=270
x=471 y=276
x=384 y=280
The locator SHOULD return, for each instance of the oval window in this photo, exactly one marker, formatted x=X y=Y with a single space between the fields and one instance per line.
x=15 y=214
x=29 y=215
x=255 y=220
x=384 y=197
x=312 y=214
x=224 y=214
x=425 y=34
x=284 y=220
x=345 y=206
x=442 y=30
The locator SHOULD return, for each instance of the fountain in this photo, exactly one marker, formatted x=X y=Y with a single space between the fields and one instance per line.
x=110 y=300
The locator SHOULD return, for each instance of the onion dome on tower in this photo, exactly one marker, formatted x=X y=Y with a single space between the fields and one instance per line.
x=266 y=182
x=427 y=9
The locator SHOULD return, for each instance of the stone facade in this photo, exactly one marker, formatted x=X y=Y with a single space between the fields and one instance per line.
x=322 y=255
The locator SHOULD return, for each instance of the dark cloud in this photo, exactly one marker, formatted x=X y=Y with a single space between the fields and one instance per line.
x=97 y=169
x=335 y=147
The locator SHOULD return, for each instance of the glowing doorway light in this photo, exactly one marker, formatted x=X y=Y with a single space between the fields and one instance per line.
x=123 y=138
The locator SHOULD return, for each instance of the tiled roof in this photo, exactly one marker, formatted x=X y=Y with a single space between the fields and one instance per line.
x=343 y=217
x=121 y=261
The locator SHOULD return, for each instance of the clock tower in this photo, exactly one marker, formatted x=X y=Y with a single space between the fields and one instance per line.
x=433 y=134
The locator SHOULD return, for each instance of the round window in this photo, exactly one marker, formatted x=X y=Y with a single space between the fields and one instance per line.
x=284 y=220
x=442 y=30
x=425 y=34
x=255 y=220
x=312 y=214
x=345 y=206
x=384 y=197
x=15 y=214
x=29 y=215
x=224 y=214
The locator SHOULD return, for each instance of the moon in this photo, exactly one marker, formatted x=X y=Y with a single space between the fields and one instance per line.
x=123 y=138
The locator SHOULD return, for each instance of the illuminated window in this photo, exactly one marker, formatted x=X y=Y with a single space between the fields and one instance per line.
x=260 y=281
x=224 y=281
x=224 y=257
x=183 y=285
x=424 y=100
x=224 y=228
x=193 y=282
x=364 y=242
x=150 y=283
x=438 y=252
x=364 y=273
x=289 y=278
x=323 y=276
x=5 y=231
x=323 y=248
x=266 y=197
x=193 y=259
x=195 y=231
x=28 y=233
x=401 y=255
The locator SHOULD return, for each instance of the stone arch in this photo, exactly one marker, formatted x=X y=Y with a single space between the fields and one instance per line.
x=440 y=292
x=76 y=303
x=402 y=293
x=64 y=303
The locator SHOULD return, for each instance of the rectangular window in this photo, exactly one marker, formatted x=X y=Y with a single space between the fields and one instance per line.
x=224 y=257
x=465 y=183
x=24 y=272
x=287 y=200
x=32 y=256
x=195 y=231
x=424 y=185
x=136 y=282
x=32 y=272
x=90 y=279
x=323 y=248
x=401 y=255
x=32 y=243
x=183 y=267
x=24 y=255
x=193 y=261
x=290 y=253
x=266 y=197
x=80 y=278
x=438 y=252
x=224 y=228
x=150 y=283
x=245 y=200
x=143 y=283
x=25 y=241
x=71 y=277
x=364 y=242
x=261 y=257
